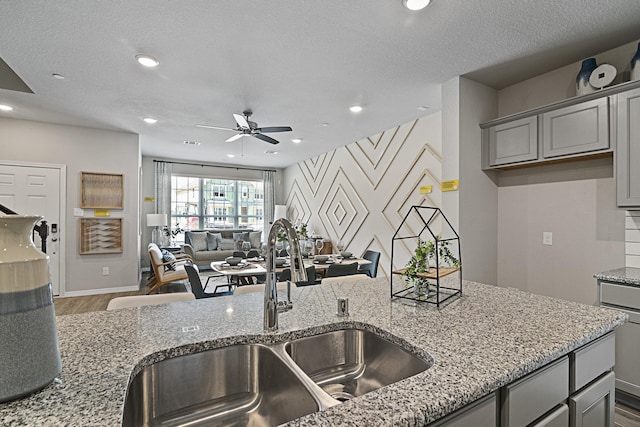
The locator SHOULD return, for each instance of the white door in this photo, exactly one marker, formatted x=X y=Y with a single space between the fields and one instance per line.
x=35 y=190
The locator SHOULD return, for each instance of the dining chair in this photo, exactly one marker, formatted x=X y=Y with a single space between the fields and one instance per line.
x=196 y=285
x=311 y=276
x=336 y=270
x=247 y=289
x=344 y=279
x=142 y=300
x=370 y=270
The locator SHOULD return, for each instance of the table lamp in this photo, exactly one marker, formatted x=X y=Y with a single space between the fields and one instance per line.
x=157 y=220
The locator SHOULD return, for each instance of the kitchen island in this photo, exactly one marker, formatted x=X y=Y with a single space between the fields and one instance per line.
x=486 y=339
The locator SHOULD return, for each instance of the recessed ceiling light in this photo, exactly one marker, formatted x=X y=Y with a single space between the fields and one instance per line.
x=190 y=142
x=296 y=140
x=147 y=61
x=422 y=108
x=58 y=76
x=416 y=4
x=231 y=156
x=271 y=152
x=5 y=107
x=355 y=108
x=150 y=120
x=325 y=124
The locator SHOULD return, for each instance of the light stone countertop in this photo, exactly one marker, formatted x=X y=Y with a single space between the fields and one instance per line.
x=626 y=275
x=480 y=342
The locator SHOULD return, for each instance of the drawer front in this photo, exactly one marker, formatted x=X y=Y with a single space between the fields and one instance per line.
x=558 y=418
x=620 y=295
x=478 y=414
x=591 y=361
x=535 y=394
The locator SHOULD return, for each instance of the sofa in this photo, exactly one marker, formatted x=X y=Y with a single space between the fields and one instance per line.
x=205 y=246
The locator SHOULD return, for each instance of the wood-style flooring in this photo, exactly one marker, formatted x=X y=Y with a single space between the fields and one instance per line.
x=625 y=416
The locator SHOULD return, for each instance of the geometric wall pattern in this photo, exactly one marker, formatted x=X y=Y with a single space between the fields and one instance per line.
x=361 y=192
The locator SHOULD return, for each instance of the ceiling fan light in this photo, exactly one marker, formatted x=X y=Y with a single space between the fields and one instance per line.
x=147 y=61
x=416 y=4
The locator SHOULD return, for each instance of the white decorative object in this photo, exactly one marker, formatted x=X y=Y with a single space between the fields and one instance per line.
x=30 y=357
x=157 y=221
x=602 y=76
x=280 y=212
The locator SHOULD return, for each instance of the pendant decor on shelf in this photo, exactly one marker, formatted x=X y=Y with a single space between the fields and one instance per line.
x=635 y=65
x=30 y=356
x=583 y=86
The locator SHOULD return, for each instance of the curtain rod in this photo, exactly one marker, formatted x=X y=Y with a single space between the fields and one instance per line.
x=216 y=166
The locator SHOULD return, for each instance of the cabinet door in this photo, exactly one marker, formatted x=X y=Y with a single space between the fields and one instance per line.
x=628 y=148
x=558 y=418
x=627 y=350
x=513 y=142
x=576 y=129
x=481 y=413
x=594 y=406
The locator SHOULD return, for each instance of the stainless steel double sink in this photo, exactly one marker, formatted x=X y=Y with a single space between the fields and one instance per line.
x=264 y=385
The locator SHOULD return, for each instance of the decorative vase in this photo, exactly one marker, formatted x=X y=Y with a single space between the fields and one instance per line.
x=30 y=357
x=635 y=65
x=582 y=79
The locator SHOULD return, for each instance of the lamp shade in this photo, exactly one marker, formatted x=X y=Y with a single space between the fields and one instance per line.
x=157 y=220
x=280 y=212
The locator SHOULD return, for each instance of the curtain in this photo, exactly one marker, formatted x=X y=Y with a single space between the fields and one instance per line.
x=269 y=178
x=163 y=188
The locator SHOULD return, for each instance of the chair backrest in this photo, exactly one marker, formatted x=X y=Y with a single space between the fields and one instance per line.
x=194 y=281
x=311 y=276
x=247 y=289
x=140 y=300
x=155 y=258
x=344 y=279
x=336 y=270
x=370 y=269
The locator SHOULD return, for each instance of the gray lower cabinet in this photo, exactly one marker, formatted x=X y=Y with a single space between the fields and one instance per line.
x=594 y=405
x=576 y=129
x=628 y=148
x=481 y=413
x=513 y=142
x=559 y=417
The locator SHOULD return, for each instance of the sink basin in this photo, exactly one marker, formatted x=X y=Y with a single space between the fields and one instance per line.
x=241 y=385
x=349 y=363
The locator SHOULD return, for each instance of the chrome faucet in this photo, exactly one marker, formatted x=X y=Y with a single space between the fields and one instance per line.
x=298 y=274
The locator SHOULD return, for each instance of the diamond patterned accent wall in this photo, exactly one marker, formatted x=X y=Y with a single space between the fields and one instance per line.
x=360 y=193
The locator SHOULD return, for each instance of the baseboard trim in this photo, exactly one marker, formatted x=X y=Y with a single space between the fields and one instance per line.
x=99 y=291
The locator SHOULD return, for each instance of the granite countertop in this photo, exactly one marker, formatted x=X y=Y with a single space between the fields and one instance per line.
x=625 y=275
x=489 y=337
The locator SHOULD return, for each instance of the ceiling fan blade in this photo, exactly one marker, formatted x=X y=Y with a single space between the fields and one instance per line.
x=266 y=138
x=275 y=129
x=242 y=122
x=215 y=127
x=235 y=137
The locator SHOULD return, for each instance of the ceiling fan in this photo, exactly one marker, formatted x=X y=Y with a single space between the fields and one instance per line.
x=244 y=126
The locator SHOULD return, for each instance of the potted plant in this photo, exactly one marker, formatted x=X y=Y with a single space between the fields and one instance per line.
x=419 y=264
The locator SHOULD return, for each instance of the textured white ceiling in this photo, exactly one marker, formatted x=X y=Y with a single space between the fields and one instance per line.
x=294 y=62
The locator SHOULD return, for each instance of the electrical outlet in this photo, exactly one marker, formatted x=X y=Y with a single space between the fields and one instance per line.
x=105 y=271
x=547 y=238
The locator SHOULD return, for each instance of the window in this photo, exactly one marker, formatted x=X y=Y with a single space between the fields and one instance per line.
x=201 y=203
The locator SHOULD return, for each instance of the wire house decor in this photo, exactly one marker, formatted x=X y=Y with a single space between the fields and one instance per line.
x=426 y=263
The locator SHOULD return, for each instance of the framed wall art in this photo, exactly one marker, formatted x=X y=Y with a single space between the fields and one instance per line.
x=101 y=190
x=100 y=236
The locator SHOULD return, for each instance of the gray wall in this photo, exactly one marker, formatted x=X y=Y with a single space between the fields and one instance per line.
x=92 y=150
x=575 y=201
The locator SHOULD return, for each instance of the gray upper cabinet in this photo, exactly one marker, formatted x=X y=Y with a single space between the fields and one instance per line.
x=513 y=142
x=576 y=129
x=628 y=148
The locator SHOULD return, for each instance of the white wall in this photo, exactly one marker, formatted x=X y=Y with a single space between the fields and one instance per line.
x=92 y=150
x=361 y=192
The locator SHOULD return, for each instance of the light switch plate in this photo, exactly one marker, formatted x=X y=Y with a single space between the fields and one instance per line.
x=78 y=212
x=547 y=238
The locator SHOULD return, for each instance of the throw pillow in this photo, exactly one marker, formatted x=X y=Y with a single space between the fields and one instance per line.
x=168 y=257
x=241 y=236
x=199 y=241
x=213 y=240
x=255 y=237
x=227 y=245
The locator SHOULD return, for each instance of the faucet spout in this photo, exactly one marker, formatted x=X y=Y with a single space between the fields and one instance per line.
x=298 y=273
